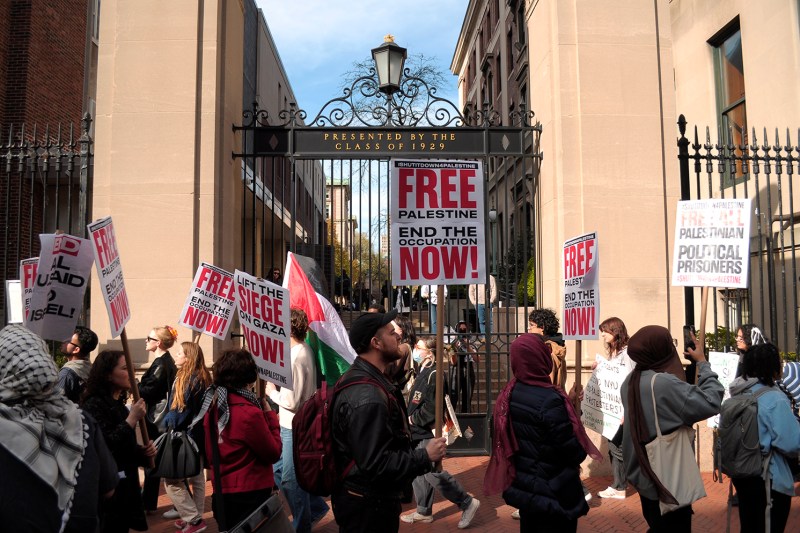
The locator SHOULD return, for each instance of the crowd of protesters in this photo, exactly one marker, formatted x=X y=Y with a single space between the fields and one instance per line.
x=69 y=438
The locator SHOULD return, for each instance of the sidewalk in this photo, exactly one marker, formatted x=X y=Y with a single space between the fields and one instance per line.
x=612 y=516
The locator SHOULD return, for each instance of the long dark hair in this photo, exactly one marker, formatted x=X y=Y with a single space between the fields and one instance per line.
x=98 y=383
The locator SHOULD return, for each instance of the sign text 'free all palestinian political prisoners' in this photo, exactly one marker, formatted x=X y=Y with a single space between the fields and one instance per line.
x=265 y=319
x=62 y=274
x=437 y=222
x=712 y=243
x=109 y=271
x=211 y=303
x=581 y=288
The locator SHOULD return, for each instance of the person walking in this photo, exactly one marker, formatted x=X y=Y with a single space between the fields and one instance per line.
x=615 y=337
x=421 y=417
x=73 y=375
x=539 y=444
x=371 y=437
x=185 y=402
x=154 y=388
x=105 y=399
x=306 y=509
x=247 y=434
x=55 y=465
x=679 y=404
x=779 y=438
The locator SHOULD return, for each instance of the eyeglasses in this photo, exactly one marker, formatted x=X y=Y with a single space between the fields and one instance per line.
x=73 y=344
x=148 y=339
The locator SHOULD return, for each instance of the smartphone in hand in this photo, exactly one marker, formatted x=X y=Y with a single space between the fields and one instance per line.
x=689 y=333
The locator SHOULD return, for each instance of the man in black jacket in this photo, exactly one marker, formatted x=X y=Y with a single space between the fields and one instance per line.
x=422 y=417
x=73 y=375
x=371 y=437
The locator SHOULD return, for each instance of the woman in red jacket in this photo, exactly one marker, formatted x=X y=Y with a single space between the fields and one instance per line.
x=249 y=439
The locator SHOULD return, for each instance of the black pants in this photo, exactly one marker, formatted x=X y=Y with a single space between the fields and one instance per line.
x=677 y=521
x=358 y=513
x=462 y=383
x=545 y=523
x=753 y=503
x=238 y=506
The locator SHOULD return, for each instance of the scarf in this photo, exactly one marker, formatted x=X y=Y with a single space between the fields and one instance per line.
x=38 y=425
x=81 y=367
x=651 y=348
x=220 y=393
x=531 y=363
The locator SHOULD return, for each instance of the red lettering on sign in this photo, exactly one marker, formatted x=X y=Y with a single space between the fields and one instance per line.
x=105 y=244
x=432 y=262
x=405 y=186
x=260 y=306
x=579 y=321
x=426 y=188
x=119 y=309
x=577 y=259
x=449 y=186
x=213 y=281
x=270 y=350
x=29 y=274
x=66 y=244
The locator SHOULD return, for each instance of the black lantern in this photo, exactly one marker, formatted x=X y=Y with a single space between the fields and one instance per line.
x=389 y=59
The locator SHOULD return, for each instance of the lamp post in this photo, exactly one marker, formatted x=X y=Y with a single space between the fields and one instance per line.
x=493 y=222
x=389 y=58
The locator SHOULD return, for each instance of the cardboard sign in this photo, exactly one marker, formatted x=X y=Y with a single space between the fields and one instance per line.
x=265 y=319
x=437 y=222
x=211 y=302
x=601 y=409
x=712 y=243
x=724 y=364
x=109 y=270
x=27 y=278
x=581 y=316
x=62 y=275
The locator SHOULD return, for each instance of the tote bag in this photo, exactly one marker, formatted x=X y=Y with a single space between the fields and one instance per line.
x=178 y=456
x=672 y=460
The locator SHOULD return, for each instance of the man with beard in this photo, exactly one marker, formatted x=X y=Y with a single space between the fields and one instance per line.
x=371 y=438
x=73 y=375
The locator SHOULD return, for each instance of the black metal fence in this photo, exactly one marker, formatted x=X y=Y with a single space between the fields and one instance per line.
x=45 y=185
x=762 y=167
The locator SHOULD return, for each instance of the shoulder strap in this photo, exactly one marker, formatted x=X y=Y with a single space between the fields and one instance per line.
x=655 y=410
x=212 y=410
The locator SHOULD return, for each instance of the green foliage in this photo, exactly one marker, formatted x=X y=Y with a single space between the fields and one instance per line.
x=718 y=340
x=527 y=284
x=513 y=264
x=789 y=356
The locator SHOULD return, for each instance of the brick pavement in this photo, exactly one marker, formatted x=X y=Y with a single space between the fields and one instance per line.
x=607 y=516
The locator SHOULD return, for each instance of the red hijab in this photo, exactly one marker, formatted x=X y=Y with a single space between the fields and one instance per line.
x=651 y=348
x=531 y=363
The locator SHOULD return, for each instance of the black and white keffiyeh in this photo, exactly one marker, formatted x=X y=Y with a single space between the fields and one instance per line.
x=38 y=425
x=221 y=395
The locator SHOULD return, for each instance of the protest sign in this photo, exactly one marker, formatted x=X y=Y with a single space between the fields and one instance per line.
x=109 y=270
x=724 y=364
x=712 y=243
x=601 y=409
x=14 y=301
x=265 y=319
x=211 y=302
x=581 y=288
x=27 y=278
x=437 y=222
x=62 y=274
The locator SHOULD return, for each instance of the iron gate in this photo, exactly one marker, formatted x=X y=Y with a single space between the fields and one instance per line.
x=742 y=164
x=45 y=184
x=321 y=189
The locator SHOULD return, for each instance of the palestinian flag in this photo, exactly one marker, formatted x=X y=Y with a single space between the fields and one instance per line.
x=327 y=335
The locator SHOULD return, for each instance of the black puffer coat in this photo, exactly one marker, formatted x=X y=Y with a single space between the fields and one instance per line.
x=548 y=479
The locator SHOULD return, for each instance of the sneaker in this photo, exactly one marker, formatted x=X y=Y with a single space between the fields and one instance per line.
x=172 y=514
x=180 y=524
x=586 y=493
x=515 y=515
x=469 y=513
x=195 y=528
x=410 y=518
x=612 y=493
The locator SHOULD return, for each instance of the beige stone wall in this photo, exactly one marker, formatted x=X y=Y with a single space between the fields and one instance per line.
x=169 y=90
x=610 y=158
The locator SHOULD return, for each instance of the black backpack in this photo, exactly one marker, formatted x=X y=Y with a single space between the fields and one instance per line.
x=738 y=446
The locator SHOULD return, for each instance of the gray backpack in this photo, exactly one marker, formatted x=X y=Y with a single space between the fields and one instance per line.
x=738 y=448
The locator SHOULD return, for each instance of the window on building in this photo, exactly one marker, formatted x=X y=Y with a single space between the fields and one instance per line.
x=729 y=77
x=96 y=19
x=521 y=22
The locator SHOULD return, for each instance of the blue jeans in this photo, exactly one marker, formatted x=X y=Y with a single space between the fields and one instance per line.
x=481 y=309
x=305 y=507
x=432 y=308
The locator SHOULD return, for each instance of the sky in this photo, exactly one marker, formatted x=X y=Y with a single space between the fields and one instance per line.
x=319 y=40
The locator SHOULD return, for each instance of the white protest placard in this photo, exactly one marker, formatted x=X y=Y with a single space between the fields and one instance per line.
x=16 y=315
x=724 y=364
x=712 y=243
x=109 y=270
x=437 y=222
x=581 y=316
x=27 y=278
x=265 y=318
x=211 y=303
x=62 y=274
x=601 y=408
